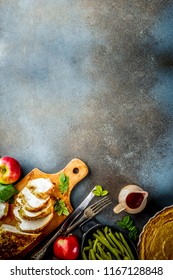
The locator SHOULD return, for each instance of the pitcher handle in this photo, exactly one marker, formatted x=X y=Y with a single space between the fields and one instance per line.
x=118 y=208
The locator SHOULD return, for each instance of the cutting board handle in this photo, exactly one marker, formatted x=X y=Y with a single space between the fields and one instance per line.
x=76 y=169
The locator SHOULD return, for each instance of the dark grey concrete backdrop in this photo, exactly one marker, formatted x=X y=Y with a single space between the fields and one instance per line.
x=90 y=79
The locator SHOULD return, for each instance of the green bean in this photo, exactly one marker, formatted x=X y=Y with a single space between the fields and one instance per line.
x=98 y=257
x=126 y=253
x=118 y=244
x=102 y=252
x=94 y=245
x=110 y=240
x=103 y=241
x=108 y=246
x=127 y=246
x=117 y=235
x=105 y=230
x=91 y=255
x=84 y=256
x=100 y=233
x=90 y=243
x=109 y=255
x=86 y=248
x=126 y=258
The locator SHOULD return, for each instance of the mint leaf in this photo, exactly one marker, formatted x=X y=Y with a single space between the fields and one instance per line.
x=99 y=188
x=126 y=219
x=65 y=211
x=61 y=208
x=104 y=193
x=99 y=191
x=128 y=224
x=121 y=224
x=7 y=192
x=64 y=183
x=62 y=178
x=96 y=193
x=63 y=188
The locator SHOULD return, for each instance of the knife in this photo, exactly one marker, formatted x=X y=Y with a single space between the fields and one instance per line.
x=38 y=255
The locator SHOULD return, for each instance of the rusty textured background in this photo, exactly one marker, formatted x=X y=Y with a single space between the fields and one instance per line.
x=93 y=80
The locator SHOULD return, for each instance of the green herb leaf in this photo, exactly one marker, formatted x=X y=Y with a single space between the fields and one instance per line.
x=133 y=236
x=63 y=188
x=96 y=193
x=99 y=188
x=64 y=183
x=7 y=192
x=65 y=212
x=132 y=229
x=130 y=235
x=128 y=224
x=121 y=224
x=99 y=191
x=62 y=178
x=61 y=208
x=105 y=192
x=126 y=220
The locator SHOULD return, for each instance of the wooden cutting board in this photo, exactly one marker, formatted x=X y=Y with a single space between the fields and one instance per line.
x=76 y=169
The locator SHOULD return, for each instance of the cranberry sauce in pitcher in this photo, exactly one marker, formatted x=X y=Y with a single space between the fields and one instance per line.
x=134 y=199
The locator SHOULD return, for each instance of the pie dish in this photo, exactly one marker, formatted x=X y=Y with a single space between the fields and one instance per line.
x=156 y=238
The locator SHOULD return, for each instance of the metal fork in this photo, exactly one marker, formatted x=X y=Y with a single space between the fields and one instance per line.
x=90 y=212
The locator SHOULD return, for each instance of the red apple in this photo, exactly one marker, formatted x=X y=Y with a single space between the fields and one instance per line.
x=66 y=247
x=10 y=170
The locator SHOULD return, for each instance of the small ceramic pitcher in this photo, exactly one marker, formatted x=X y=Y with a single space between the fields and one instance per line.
x=132 y=199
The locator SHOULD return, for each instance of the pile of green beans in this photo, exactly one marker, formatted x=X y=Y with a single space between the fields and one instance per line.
x=105 y=244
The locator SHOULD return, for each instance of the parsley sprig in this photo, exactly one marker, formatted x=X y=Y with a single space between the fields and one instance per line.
x=60 y=207
x=128 y=224
x=64 y=183
x=99 y=191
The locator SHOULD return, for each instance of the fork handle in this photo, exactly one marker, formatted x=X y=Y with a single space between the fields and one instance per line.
x=69 y=229
x=39 y=254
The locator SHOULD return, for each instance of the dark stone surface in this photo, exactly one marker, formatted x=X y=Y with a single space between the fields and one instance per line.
x=93 y=80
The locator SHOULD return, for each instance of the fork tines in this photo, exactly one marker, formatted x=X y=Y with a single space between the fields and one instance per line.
x=100 y=205
x=89 y=212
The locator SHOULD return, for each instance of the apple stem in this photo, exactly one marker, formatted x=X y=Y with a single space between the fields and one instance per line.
x=3 y=169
